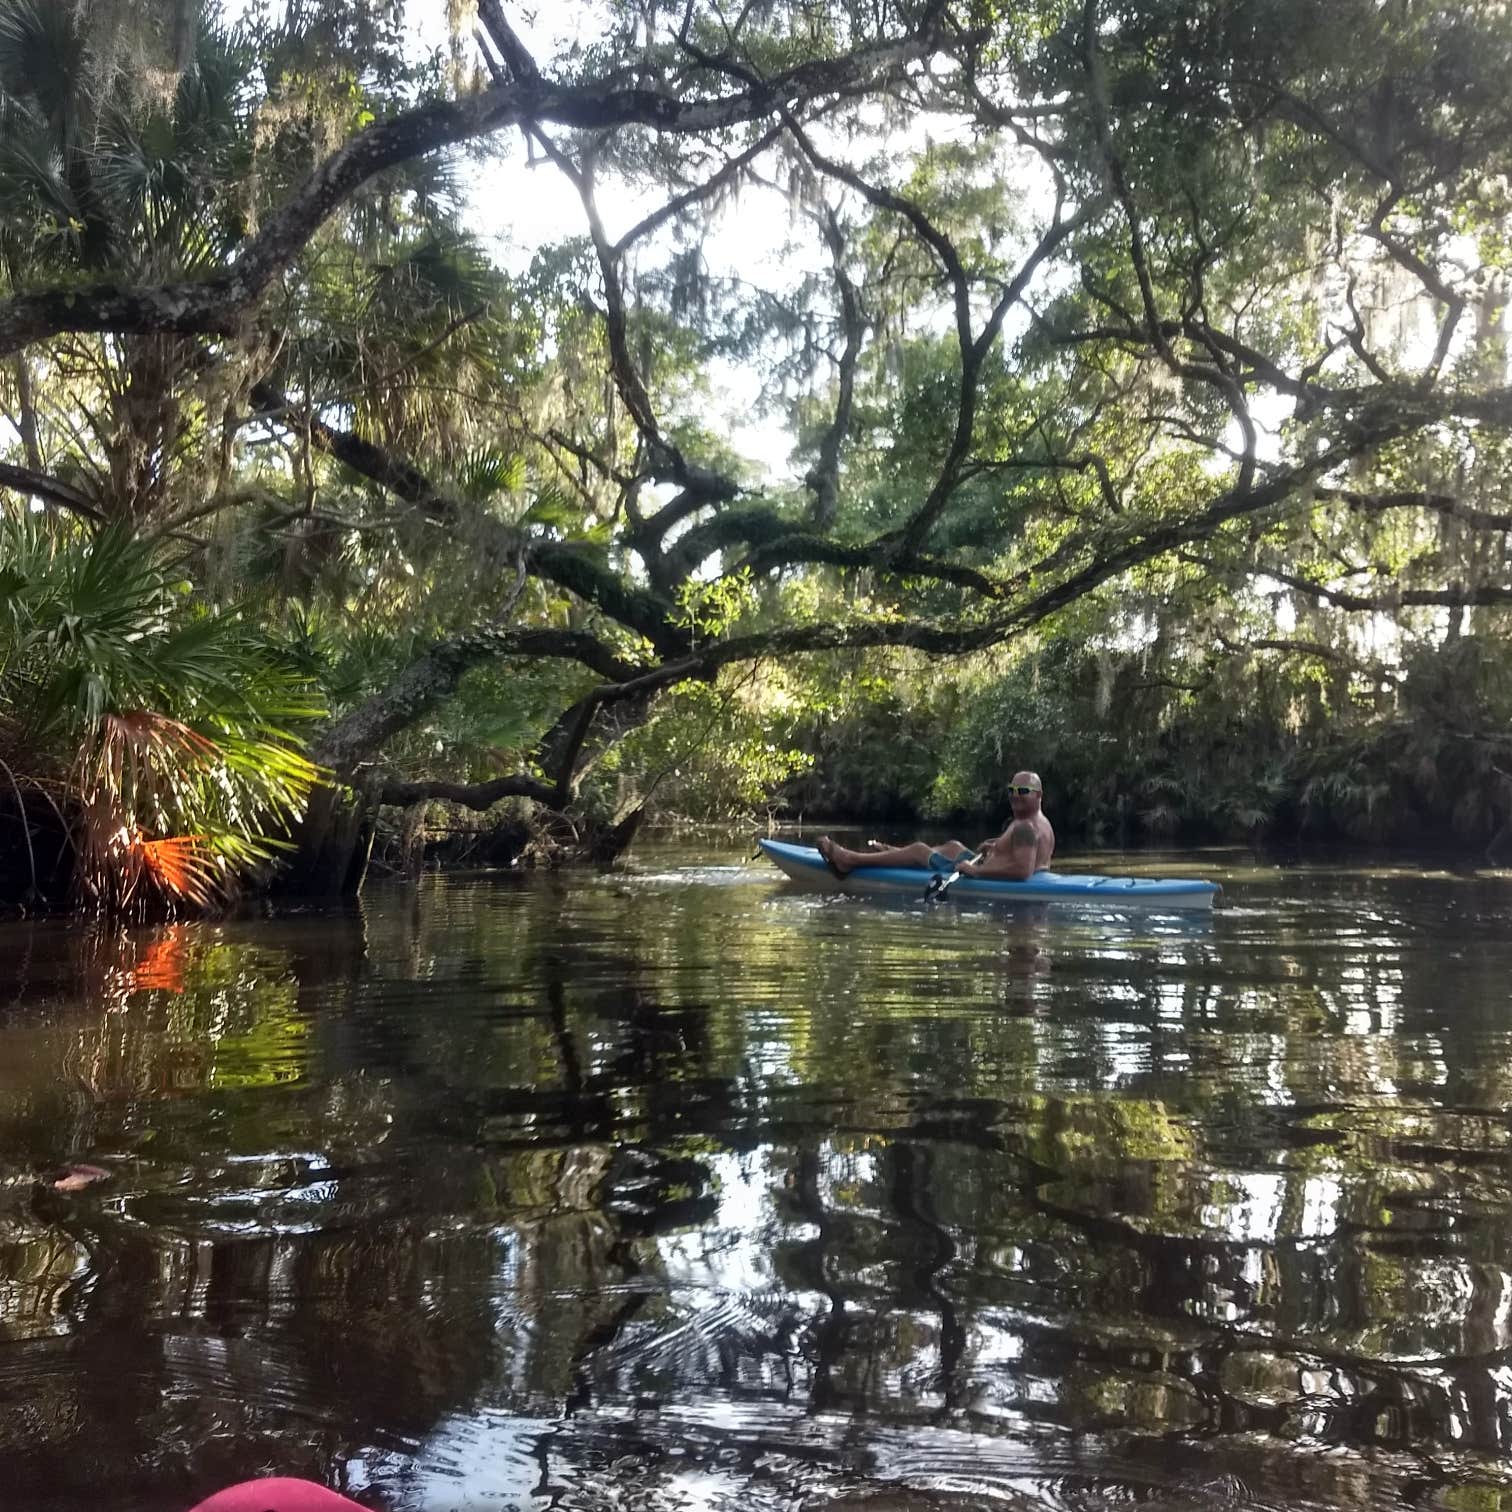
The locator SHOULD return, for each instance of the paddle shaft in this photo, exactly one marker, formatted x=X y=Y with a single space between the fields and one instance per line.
x=938 y=884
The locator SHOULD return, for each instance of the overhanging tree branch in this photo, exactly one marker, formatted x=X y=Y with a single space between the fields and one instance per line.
x=561 y=563
x=473 y=795
x=217 y=305
x=40 y=485
x=1456 y=596
x=1435 y=503
x=638 y=687
x=785 y=546
x=434 y=676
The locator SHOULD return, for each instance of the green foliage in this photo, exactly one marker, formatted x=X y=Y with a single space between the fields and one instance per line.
x=873 y=725
x=168 y=728
x=1166 y=743
x=405 y=441
x=708 y=754
x=97 y=169
x=712 y=609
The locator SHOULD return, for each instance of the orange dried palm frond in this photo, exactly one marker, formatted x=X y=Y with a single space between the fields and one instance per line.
x=181 y=866
x=128 y=778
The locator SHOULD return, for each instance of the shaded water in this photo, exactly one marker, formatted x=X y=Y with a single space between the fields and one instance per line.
x=680 y=1189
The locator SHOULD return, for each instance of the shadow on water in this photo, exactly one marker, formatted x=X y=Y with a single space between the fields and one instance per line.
x=673 y=1188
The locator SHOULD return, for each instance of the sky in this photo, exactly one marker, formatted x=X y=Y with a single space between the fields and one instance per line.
x=518 y=207
x=515 y=207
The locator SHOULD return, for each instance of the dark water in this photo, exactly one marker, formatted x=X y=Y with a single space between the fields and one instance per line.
x=679 y=1189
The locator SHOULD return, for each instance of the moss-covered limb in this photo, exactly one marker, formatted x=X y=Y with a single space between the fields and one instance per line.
x=434 y=676
x=575 y=568
x=1453 y=596
x=775 y=541
x=796 y=548
x=1024 y=604
x=472 y=795
x=1448 y=505
x=580 y=570
x=732 y=527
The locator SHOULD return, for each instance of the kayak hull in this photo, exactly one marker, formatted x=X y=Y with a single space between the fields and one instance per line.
x=804 y=864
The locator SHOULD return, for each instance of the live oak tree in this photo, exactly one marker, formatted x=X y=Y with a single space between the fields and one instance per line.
x=1131 y=312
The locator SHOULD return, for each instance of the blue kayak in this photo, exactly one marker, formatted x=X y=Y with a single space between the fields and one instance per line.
x=803 y=863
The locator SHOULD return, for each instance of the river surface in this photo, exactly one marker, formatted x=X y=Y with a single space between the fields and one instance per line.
x=675 y=1188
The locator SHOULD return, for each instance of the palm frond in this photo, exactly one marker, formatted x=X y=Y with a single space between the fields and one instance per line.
x=485 y=472
x=35 y=192
x=173 y=727
x=44 y=57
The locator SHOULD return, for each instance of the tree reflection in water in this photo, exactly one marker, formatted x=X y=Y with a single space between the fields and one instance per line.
x=628 y=1192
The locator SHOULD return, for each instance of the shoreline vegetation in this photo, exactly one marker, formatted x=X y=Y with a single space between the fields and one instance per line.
x=1141 y=377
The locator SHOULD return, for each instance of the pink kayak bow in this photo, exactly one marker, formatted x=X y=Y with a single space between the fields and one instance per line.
x=276 y=1493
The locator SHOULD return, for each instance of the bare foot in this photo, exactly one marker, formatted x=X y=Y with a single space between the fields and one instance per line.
x=826 y=848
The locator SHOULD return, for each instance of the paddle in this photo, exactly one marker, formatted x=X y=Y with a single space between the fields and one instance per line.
x=938 y=883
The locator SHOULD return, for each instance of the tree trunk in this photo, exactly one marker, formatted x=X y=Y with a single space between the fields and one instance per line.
x=609 y=843
x=332 y=845
x=26 y=414
x=335 y=838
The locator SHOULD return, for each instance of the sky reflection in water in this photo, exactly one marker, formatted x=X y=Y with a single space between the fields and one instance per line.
x=680 y=1189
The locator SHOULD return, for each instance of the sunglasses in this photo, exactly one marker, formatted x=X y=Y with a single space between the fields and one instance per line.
x=1022 y=791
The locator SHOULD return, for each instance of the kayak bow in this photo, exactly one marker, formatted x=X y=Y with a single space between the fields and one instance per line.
x=804 y=864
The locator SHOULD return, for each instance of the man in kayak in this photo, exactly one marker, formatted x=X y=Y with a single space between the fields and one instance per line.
x=1025 y=846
